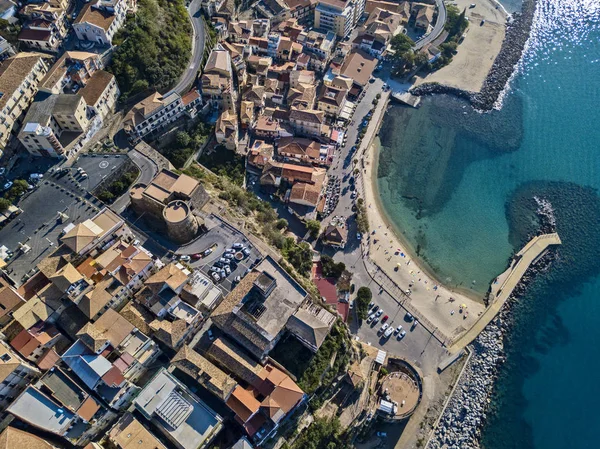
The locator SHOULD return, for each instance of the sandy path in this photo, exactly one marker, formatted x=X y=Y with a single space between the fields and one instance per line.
x=428 y=296
x=477 y=52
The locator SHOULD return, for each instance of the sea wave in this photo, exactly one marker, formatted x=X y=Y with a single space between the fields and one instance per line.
x=558 y=23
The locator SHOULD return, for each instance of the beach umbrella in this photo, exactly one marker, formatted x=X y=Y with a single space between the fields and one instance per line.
x=464 y=306
x=399 y=264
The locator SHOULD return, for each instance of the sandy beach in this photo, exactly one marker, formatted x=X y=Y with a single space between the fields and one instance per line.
x=439 y=304
x=476 y=54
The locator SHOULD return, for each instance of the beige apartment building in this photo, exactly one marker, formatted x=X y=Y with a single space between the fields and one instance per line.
x=19 y=79
x=48 y=117
x=338 y=16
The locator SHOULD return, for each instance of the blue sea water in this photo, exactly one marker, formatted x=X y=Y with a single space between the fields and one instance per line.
x=459 y=185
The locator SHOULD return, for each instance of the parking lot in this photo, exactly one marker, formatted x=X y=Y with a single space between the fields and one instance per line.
x=97 y=167
x=220 y=237
x=38 y=225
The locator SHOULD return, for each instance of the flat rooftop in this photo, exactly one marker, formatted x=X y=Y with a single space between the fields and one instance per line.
x=176 y=212
x=180 y=415
x=39 y=410
x=272 y=313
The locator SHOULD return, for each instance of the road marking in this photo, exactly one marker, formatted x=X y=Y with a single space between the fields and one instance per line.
x=104 y=164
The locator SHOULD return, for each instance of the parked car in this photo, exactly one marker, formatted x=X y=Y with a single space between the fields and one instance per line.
x=408 y=317
x=227 y=270
x=401 y=335
x=358 y=236
x=237 y=279
x=388 y=332
x=237 y=246
x=230 y=251
x=228 y=256
x=379 y=312
x=375 y=308
x=215 y=276
x=371 y=318
x=371 y=305
x=384 y=327
x=415 y=324
x=207 y=252
x=210 y=334
x=398 y=329
x=246 y=252
x=36 y=176
x=196 y=256
x=224 y=261
x=384 y=319
x=8 y=185
x=185 y=257
x=376 y=320
x=381 y=434
x=2 y=171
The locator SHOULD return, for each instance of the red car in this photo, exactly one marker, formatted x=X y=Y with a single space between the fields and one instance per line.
x=196 y=256
x=384 y=319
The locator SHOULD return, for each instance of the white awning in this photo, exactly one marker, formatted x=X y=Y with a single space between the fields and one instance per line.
x=380 y=357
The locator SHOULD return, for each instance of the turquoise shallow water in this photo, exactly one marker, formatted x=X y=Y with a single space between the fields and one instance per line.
x=460 y=185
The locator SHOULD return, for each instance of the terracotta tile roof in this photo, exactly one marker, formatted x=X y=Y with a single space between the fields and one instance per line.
x=204 y=372
x=95 y=87
x=308 y=115
x=170 y=275
x=129 y=433
x=9 y=298
x=88 y=409
x=27 y=34
x=234 y=360
x=169 y=332
x=14 y=70
x=305 y=192
x=79 y=237
x=283 y=389
x=94 y=16
x=137 y=315
x=190 y=96
x=12 y=438
x=113 y=377
x=110 y=327
x=94 y=301
x=48 y=360
x=359 y=66
x=243 y=403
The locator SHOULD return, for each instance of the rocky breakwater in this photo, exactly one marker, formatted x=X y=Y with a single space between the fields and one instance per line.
x=460 y=425
x=517 y=34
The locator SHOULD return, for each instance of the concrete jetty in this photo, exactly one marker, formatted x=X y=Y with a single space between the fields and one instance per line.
x=504 y=285
x=407 y=98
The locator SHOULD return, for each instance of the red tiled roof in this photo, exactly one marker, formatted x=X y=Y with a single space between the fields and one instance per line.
x=327 y=290
x=113 y=377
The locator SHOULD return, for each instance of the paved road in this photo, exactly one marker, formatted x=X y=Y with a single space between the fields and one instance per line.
x=198 y=41
x=148 y=170
x=418 y=346
x=438 y=27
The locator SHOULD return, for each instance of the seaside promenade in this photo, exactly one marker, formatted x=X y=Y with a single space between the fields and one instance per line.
x=504 y=285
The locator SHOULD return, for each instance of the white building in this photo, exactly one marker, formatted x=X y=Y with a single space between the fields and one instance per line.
x=99 y=21
x=156 y=112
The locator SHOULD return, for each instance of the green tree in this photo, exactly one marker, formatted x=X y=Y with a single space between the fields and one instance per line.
x=456 y=22
x=363 y=298
x=331 y=268
x=182 y=139
x=314 y=227
x=282 y=223
x=4 y=204
x=401 y=44
x=299 y=255
x=153 y=47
